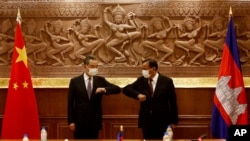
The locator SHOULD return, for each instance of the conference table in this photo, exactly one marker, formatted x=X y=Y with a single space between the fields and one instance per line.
x=114 y=140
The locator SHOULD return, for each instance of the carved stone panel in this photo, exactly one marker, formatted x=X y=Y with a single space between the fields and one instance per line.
x=186 y=37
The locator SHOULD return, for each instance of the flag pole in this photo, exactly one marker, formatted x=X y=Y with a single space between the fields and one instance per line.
x=230 y=13
x=121 y=128
x=18 y=17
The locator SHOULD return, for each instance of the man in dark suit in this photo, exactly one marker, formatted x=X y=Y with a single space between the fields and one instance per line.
x=158 y=104
x=85 y=100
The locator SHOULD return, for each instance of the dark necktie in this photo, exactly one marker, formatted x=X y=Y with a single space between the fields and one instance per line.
x=151 y=86
x=89 y=87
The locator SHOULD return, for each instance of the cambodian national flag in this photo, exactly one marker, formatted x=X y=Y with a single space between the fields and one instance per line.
x=120 y=136
x=230 y=103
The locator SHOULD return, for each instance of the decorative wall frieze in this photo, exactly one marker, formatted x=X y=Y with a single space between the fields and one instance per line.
x=186 y=37
x=91 y=8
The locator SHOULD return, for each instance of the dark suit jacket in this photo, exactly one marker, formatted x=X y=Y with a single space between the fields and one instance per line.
x=157 y=111
x=84 y=112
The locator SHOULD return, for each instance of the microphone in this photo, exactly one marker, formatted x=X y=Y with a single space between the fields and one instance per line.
x=203 y=136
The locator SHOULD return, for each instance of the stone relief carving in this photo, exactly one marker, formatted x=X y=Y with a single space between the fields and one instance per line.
x=177 y=34
x=215 y=38
x=187 y=40
x=6 y=42
x=123 y=34
x=156 y=40
x=35 y=43
x=59 y=42
x=243 y=40
x=87 y=42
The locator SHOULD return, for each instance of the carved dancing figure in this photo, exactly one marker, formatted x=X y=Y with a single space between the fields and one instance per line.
x=60 y=44
x=34 y=44
x=122 y=33
x=89 y=42
x=157 y=40
x=6 y=42
x=216 y=38
x=243 y=40
x=187 y=39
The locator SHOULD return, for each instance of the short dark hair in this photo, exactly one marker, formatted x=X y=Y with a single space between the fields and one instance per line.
x=88 y=58
x=152 y=63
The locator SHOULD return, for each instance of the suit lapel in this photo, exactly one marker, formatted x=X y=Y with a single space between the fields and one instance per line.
x=147 y=91
x=156 y=93
x=94 y=85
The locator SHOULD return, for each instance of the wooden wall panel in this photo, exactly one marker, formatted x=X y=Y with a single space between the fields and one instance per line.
x=191 y=131
x=51 y=102
x=63 y=131
x=196 y=101
x=119 y=105
x=195 y=108
x=111 y=126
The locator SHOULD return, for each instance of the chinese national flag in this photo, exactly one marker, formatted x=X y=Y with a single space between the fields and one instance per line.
x=21 y=114
x=230 y=103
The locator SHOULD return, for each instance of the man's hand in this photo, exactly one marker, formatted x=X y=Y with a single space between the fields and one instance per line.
x=100 y=90
x=141 y=97
x=72 y=126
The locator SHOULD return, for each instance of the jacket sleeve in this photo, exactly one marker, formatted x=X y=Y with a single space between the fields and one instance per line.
x=111 y=88
x=131 y=90
x=173 y=104
x=71 y=106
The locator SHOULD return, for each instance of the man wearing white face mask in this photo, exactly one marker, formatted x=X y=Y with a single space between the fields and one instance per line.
x=85 y=100
x=157 y=97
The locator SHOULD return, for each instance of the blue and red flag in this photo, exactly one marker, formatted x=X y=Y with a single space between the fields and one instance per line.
x=120 y=134
x=230 y=102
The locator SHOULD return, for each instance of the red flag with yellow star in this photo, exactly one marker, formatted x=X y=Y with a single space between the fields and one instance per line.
x=21 y=114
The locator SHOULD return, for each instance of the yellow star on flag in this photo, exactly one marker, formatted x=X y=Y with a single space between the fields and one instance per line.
x=22 y=56
x=25 y=84
x=15 y=86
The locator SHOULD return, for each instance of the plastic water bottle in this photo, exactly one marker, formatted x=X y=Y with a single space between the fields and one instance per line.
x=43 y=134
x=25 y=137
x=170 y=132
x=166 y=137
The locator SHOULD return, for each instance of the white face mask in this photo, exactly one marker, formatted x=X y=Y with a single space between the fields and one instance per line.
x=145 y=73
x=93 y=71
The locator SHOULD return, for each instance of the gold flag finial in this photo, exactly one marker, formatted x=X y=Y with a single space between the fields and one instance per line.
x=230 y=11
x=18 y=18
x=121 y=128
